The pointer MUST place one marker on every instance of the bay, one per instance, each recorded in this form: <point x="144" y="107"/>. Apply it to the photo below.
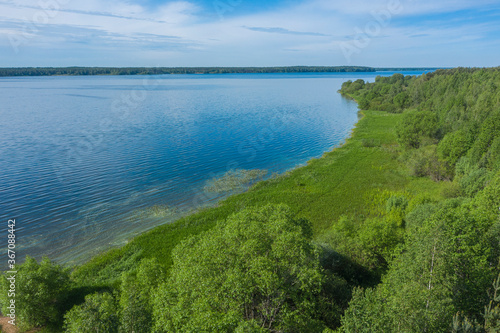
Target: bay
<point x="87" y="163"/>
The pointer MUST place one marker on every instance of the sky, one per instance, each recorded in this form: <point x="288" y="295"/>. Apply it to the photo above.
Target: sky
<point x="151" y="33"/>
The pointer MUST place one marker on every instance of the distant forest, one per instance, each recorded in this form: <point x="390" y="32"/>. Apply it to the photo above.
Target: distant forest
<point x="52" y="71"/>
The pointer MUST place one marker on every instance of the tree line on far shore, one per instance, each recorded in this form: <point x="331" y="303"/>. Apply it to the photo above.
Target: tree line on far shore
<point x="52" y="71"/>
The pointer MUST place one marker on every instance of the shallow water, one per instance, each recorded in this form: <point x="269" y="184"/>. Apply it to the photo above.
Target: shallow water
<point x="86" y="163"/>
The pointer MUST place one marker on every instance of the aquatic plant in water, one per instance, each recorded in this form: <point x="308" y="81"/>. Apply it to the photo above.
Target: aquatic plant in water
<point x="234" y="180"/>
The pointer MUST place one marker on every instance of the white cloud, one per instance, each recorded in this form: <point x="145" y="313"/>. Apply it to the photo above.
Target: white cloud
<point x="179" y="34"/>
<point x="408" y="7"/>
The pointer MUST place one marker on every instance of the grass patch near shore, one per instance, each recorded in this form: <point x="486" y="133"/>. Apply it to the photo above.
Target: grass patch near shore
<point x="327" y="188"/>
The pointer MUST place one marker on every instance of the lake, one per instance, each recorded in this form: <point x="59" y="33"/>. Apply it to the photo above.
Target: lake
<point x="86" y="163"/>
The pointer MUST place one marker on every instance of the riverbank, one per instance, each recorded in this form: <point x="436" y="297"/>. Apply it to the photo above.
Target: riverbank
<point x="341" y="182"/>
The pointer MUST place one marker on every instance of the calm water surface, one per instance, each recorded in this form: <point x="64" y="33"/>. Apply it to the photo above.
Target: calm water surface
<point x="86" y="163"/>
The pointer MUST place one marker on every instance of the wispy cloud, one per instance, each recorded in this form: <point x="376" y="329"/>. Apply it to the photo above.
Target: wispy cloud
<point x="190" y="33"/>
<point x="408" y="7"/>
<point x="419" y="35"/>
<point x="85" y="12"/>
<point x="284" y="31"/>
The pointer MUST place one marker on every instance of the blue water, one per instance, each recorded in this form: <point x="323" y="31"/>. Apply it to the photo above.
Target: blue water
<point x="86" y="163"/>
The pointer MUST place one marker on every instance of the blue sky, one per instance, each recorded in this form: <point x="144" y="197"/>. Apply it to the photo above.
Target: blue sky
<point x="381" y="33"/>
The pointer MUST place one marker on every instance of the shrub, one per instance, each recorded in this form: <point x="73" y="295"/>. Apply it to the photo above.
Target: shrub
<point x="424" y="162"/>
<point x="401" y="100"/>
<point x="451" y="190"/>
<point x="491" y="160"/>
<point x="257" y="266"/>
<point x="475" y="181"/>
<point x="97" y="314"/>
<point x="453" y="146"/>
<point x="40" y="289"/>
<point x="464" y="167"/>
<point x="414" y="126"/>
<point x="489" y="131"/>
<point x="391" y="108"/>
<point x="135" y="297"/>
<point x="370" y="143"/>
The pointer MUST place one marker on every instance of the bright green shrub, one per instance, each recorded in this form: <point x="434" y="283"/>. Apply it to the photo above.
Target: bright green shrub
<point x="380" y="236"/>
<point x="401" y="100"/>
<point x="444" y="267"/>
<point x="258" y="265"/>
<point x="488" y="200"/>
<point x="464" y="167"/>
<point x="136" y="293"/>
<point x="98" y="313"/>
<point x="39" y="292"/>
<point x="475" y="181"/>
<point x="491" y="159"/>
<point x="416" y="125"/>
<point x="366" y="313"/>
<point x="487" y="134"/>
<point x="453" y="146"/>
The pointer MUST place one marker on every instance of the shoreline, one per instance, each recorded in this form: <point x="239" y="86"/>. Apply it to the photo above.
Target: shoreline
<point x="322" y="190"/>
<point x="83" y="258"/>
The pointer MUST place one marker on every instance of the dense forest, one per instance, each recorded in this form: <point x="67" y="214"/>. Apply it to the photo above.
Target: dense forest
<point x="398" y="230"/>
<point x="50" y="71"/>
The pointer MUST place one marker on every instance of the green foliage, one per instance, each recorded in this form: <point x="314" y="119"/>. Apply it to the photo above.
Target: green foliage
<point x="366" y="313"/>
<point x="334" y="185"/>
<point x="349" y="87"/>
<point x="491" y="160"/>
<point x="451" y="190"/>
<point x="258" y="266"/>
<point x="453" y="146"/>
<point x="136" y="296"/>
<point x="416" y="125"/>
<point x="488" y="200"/>
<point x="250" y="326"/>
<point x="39" y="292"/>
<point x="397" y="204"/>
<point x="417" y="217"/>
<point x="380" y="236"/>
<point x="47" y="71"/>
<point x="424" y="162"/>
<point x="370" y="216"/>
<point x="462" y="324"/>
<point x="370" y="243"/>
<point x="490" y="130"/>
<point x="443" y="268"/>
<point x="475" y="181"/>
<point x="465" y="105"/>
<point x="492" y="310"/>
<point x="370" y="143"/>
<point x="402" y="100"/>
<point x="363" y="103"/>
<point x="108" y="267"/>
<point x="97" y="314"/>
